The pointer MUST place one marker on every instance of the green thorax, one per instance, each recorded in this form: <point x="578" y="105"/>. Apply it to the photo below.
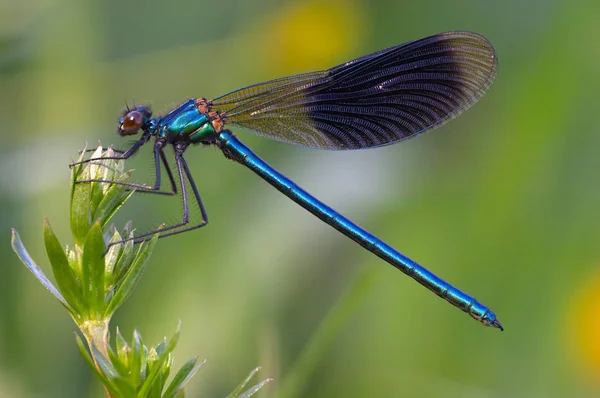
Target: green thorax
<point x="186" y="122"/>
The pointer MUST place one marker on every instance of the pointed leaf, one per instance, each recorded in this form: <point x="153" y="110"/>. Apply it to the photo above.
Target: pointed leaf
<point x="103" y="169"/>
<point x="95" y="166"/>
<point x="73" y="261"/>
<point x="114" y="198"/>
<point x="93" y="271"/>
<point x="161" y="348"/>
<point x="124" y="262"/>
<point x="113" y="357"/>
<point x="26" y="259"/>
<point x="123" y="349"/>
<point x="132" y="277"/>
<point x="128" y="228"/>
<point x="161" y="379"/>
<point x="137" y="357"/>
<point x="67" y="281"/>
<point x="153" y="357"/>
<point x="109" y="233"/>
<point x="175" y="338"/>
<point x="145" y="361"/>
<point x="111" y="168"/>
<point x="113" y="254"/>
<point x="166" y="371"/>
<point x="107" y="368"/>
<point x="88" y="359"/>
<point x="156" y="367"/>
<point x="254" y="389"/>
<point x="96" y="194"/>
<point x="183" y="376"/>
<point x="81" y="212"/>
<point x="238" y="390"/>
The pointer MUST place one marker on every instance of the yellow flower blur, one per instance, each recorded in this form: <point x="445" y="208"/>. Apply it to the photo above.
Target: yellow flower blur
<point x="313" y="35"/>
<point x="585" y="325"/>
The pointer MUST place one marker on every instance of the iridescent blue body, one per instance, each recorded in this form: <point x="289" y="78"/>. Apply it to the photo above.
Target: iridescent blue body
<point x="236" y="150"/>
<point x="185" y="122"/>
<point x="374" y="100"/>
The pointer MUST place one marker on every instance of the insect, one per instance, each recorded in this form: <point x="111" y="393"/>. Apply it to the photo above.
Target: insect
<point x="374" y="100"/>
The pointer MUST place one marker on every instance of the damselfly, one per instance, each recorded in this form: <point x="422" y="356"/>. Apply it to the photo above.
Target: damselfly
<point x="374" y="100"/>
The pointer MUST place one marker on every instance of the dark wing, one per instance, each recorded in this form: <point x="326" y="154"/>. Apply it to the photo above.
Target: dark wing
<point x="375" y="100"/>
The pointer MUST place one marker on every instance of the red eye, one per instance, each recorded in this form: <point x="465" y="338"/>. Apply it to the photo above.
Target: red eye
<point x="131" y="123"/>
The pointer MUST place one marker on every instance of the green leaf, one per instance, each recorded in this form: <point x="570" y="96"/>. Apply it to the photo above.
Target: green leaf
<point x="156" y="366"/>
<point x="175" y="338"/>
<point x="88" y="359"/>
<point x="135" y="365"/>
<point x="123" y="349"/>
<point x="161" y="348"/>
<point x="92" y="268"/>
<point x="97" y="192"/>
<point x="125" y="386"/>
<point x="81" y="217"/>
<point x="113" y="254"/>
<point x="238" y="390"/>
<point x="139" y="358"/>
<point x="132" y="276"/>
<point x="95" y="166"/>
<point x="165" y="371"/>
<point x="71" y="254"/>
<point x="114" y="198"/>
<point x="124" y="262"/>
<point x="183" y="376"/>
<point x="107" y="368"/>
<point x="254" y="389"/>
<point x="26" y="259"/>
<point x="127" y="228"/>
<point x="161" y="379"/>
<point x="113" y="357"/>
<point x="67" y="280"/>
<point x="112" y="170"/>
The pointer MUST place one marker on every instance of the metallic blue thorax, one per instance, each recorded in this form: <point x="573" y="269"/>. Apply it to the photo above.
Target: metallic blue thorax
<point x="186" y="123"/>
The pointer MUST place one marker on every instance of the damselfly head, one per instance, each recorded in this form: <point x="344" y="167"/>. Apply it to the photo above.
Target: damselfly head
<point x="132" y="120"/>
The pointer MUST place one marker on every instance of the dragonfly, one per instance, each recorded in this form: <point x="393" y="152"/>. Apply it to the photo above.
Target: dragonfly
<point x="375" y="100"/>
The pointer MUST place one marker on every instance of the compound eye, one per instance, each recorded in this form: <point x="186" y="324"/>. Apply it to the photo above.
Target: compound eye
<point x="131" y="123"/>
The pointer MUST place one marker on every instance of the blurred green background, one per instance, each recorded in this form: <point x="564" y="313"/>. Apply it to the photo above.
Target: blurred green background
<point x="502" y="202"/>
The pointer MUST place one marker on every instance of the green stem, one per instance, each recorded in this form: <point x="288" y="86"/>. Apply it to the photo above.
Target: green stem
<point x="96" y="333"/>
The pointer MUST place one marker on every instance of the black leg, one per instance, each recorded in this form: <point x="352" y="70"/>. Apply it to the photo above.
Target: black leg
<point x="120" y="151"/>
<point x="183" y="172"/>
<point x="203" y="213"/>
<point x="155" y="189"/>
<point x="125" y="155"/>
<point x="165" y="162"/>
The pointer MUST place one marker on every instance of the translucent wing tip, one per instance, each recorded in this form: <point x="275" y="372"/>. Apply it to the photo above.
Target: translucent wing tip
<point x="479" y="48"/>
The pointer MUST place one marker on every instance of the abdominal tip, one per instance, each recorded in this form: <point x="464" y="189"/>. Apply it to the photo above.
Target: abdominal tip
<point x="496" y="323"/>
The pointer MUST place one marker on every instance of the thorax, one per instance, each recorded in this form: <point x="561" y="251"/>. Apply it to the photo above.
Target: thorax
<point x="187" y="123"/>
